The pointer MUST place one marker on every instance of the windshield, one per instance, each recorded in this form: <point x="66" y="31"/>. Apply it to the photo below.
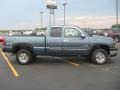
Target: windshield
<point x="90" y="32"/>
<point x="83" y="30"/>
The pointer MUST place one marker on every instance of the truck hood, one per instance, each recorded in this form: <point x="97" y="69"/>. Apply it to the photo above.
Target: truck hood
<point x="101" y="37"/>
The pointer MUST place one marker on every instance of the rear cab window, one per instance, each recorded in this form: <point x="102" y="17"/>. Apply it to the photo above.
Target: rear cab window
<point x="56" y="32"/>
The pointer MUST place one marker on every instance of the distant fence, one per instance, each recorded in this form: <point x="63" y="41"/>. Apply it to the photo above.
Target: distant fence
<point x="4" y="33"/>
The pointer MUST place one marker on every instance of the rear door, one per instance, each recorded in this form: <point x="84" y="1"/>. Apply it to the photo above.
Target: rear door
<point x="54" y="41"/>
<point x="73" y="43"/>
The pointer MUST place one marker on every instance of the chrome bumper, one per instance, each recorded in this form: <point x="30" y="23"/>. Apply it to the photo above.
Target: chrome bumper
<point x="113" y="52"/>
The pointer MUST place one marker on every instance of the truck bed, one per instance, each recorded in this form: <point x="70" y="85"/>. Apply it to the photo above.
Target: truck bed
<point x="37" y="42"/>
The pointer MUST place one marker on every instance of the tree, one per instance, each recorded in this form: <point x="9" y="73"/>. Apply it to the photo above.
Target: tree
<point x="116" y="26"/>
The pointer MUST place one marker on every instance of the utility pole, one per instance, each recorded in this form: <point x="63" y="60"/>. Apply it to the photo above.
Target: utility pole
<point x="41" y="19"/>
<point x="64" y="5"/>
<point x="117" y="12"/>
<point x="49" y="17"/>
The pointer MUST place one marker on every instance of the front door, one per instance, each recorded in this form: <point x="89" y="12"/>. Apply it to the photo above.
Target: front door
<point x="73" y="43"/>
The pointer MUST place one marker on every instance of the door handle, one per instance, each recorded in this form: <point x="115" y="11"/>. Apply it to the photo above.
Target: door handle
<point x="66" y="40"/>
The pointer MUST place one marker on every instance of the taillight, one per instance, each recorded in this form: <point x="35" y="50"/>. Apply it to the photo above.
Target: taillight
<point x="2" y="40"/>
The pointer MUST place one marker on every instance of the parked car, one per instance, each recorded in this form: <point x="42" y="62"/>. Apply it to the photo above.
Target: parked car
<point x="91" y="32"/>
<point x="114" y="33"/>
<point x="2" y="42"/>
<point x="60" y="41"/>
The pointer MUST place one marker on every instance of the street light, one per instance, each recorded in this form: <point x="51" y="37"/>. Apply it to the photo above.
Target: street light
<point x="64" y="5"/>
<point x="117" y="12"/>
<point x="41" y="18"/>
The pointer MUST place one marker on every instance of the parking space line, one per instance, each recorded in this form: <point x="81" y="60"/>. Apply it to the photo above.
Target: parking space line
<point x="15" y="73"/>
<point x="75" y="64"/>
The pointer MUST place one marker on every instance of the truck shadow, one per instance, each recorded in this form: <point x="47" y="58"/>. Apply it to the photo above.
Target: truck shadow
<point x="60" y="60"/>
<point x="49" y="60"/>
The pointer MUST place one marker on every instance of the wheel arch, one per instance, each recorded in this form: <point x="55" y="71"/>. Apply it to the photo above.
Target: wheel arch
<point x="105" y="47"/>
<point x="17" y="46"/>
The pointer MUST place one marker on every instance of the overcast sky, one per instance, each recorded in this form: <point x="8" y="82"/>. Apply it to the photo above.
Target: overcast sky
<point x="25" y="14"/>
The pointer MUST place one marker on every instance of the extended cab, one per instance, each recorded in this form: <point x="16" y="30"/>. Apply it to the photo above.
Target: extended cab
<point x="60" y="41"/>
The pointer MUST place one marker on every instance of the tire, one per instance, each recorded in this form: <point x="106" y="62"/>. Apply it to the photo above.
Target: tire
<point x="24" y="57"/>
<point x="100" y="56"/>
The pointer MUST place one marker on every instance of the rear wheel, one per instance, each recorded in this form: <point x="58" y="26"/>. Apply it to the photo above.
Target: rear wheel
<point x="99" y="56"/>
<point x="24" y="57"/>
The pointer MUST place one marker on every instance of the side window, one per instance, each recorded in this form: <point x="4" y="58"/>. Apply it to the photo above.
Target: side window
<point x="56" y="32"/>
<point x="72" y="33"/>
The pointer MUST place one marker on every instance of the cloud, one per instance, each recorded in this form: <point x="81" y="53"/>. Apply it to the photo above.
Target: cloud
<point x="81" y="21"/>
<point x="90" y="21"/>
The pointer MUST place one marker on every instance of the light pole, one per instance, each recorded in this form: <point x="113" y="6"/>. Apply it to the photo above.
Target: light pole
<point x="54" y="16"/>
<point x="41" y="19"/>
<point x="64" y="5"/>
<point x="117" y="12"/>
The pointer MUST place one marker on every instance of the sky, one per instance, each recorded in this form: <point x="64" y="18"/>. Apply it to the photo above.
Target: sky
<point x="25" y="14"/>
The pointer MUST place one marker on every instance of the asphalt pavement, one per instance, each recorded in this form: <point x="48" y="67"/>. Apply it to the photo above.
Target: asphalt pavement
<point x="53" y="73"/>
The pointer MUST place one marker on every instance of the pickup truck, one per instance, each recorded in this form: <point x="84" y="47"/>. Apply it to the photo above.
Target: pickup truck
<point x="60" y="41"/>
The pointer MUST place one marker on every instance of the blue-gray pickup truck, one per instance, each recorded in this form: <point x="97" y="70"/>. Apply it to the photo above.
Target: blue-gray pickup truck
<point x="60" y="41"/>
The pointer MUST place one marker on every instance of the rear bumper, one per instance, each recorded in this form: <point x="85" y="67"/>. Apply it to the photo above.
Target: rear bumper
<point x="7" y="49"/>
<point x="113" y="52"/>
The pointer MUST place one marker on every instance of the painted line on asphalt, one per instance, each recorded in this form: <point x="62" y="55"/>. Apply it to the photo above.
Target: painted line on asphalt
<point x="15" y="73"/>
<point x="72" y="63"/>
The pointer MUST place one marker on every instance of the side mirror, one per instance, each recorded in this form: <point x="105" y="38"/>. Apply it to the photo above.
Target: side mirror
<point x="83" y="36"/>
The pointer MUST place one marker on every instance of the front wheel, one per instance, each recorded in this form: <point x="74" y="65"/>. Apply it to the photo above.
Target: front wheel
<point x="24" y="57"/>
<point x="99" y="56"/>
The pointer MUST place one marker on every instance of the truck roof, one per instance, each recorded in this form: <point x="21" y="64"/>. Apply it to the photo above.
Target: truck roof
<point x="65" y="26"/>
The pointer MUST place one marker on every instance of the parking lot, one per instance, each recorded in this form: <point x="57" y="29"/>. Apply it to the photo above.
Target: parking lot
<point x="53" y="73"/>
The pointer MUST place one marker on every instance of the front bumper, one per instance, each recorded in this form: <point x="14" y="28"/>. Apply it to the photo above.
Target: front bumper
<point x="113" y="52"/>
